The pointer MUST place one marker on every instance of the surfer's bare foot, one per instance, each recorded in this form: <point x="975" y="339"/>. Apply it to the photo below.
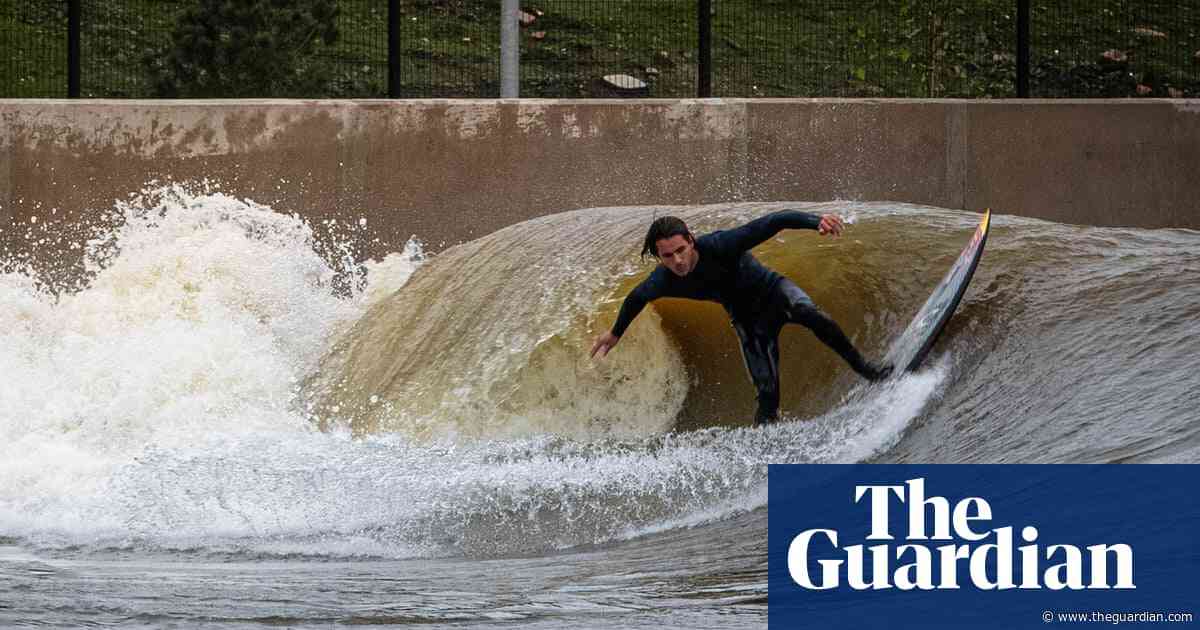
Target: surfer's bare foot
<point x="876" y="373"/>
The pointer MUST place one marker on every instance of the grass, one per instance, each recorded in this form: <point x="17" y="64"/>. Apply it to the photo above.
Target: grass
<point x="886" y="48"/>
<point x="33" y="49"/>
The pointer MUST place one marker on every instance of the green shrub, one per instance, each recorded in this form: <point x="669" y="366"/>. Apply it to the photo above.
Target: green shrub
<point x="246" y="48"/>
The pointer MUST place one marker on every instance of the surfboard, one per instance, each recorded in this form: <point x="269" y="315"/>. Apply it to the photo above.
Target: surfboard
<point x="914" y="344"/>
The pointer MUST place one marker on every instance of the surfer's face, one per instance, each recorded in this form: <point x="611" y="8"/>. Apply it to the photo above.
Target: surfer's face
<point x="678" y="253"/>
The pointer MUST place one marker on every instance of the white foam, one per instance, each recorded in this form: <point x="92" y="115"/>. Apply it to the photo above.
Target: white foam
<point x="201" y="314"/>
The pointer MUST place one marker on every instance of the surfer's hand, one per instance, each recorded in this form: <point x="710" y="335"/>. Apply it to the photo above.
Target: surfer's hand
<point x="604" y="343"/>
<point x="831" y="224"/>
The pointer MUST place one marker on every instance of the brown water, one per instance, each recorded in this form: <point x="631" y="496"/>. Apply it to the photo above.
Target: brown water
<point x="213" y="431"/>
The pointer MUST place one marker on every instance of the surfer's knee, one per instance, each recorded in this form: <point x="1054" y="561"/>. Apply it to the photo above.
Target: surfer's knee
<point x="809" y="315"/>
<point x="792" y="295"/>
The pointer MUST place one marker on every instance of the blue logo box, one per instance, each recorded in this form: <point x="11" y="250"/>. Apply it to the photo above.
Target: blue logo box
<point x="983" y="546"/>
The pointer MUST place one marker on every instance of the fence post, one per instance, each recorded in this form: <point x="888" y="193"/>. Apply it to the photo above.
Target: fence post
<point x="393" y="88"/>
<point x="73" y="21"/>
<point x="704" y="81"/>
<point x="510" y="50"/>
<point x="1022" y="48"/>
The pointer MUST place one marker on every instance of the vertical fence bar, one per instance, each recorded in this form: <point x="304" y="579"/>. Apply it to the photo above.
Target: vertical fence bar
<point x="510" y="50"/>
<point x="74" y="10"/>
<point x="1022" y="48"/>
<point x="393" y="38"/>
<point x="704" y="81"/>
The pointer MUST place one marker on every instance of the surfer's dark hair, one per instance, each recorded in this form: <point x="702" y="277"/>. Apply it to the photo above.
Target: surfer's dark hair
<point x="664" y="227"/>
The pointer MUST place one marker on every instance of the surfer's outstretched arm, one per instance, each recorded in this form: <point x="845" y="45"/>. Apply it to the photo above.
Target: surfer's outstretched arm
<point x="638" y="298"/>
<point x="755" y="232"/>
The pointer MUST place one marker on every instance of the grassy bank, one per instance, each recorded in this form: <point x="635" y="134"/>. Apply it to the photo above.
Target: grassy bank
<point x="760" y="47"/>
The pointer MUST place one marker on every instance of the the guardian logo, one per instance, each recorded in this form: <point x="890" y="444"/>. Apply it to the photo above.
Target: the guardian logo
<point x="963" y="527"/>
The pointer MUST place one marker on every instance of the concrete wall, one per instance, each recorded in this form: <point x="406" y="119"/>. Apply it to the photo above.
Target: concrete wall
<point x="452" y="170"/>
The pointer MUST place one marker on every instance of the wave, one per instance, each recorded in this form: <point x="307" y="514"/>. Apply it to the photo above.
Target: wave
<point x="219" y="380"/>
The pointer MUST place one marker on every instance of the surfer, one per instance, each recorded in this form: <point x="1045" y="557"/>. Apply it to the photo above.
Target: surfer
<point x="719" y="267"/>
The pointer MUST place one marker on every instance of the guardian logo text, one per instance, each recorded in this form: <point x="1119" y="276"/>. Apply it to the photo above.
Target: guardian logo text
<point x="947" y="545"/>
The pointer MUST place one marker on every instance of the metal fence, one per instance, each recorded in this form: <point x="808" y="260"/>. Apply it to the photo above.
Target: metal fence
<point x="660" y="48"/>
<point x="1143" y="47"/>
<point x="33" y="49"/>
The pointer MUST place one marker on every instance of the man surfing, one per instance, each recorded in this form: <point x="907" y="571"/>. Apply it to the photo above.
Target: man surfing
<point x="720" y="268"/>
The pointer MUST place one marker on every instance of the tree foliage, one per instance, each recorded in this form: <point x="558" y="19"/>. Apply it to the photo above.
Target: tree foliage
<point x="247" y="48"/>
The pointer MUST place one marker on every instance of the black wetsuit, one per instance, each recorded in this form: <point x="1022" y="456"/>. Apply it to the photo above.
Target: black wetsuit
<point x="759" y="301"/>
